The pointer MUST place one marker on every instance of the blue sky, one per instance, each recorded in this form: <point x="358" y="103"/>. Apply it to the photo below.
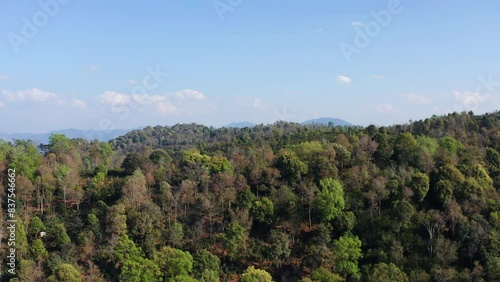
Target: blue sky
<point x="124" y="64"/>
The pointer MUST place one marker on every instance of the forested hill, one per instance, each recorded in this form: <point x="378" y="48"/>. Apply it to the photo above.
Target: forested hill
<point x="284" y="202"/>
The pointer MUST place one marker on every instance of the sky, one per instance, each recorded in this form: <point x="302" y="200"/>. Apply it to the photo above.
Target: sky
<point x="126" y="64"/>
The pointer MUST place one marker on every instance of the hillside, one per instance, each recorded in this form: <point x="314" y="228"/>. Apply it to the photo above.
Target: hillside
<point x="410" y="202"/>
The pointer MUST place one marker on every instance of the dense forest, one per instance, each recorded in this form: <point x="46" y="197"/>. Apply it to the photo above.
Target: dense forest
<point x="282" y="202"/>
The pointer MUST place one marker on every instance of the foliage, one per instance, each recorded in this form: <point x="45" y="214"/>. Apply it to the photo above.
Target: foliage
<point x="173" y="262"/>
<point x="411" y="202"/>
<point x="383" y="272"/>
<point x="206" y="266"/>
<point x="330" y="199"/>
<point x="255" y="275"/>
<point x="263" y="210"/>
<point x="67" y="273"/>
<point x="347" y="250"/>
<point x="323" y="275"/>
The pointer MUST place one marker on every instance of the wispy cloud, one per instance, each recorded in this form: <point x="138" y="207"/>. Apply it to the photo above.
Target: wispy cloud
<point x="414" y="98"/>
<point x="189" y="94"/>
<point x="187" y="101"/>
<point x="160" y="103"/>
<point x="94" y="68"/>
<point x="376" y="76"/>
<point x="4" y="77"/>
<point x="115" y="98"/>
<point x="386" y="108"/>
<point x="133" y="82"/>
<point x="257" y="103"/>
<point x="357" y="23"/>
<point x="343" y="79"/>
<point x="35" y="95"/>
<point x="249" y="102"/>
<point x="470" y="100"/>
<point x="77" y="103"/>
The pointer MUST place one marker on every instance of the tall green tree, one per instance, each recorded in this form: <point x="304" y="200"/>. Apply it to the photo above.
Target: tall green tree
<point x="330" y="199"/>
<point x="347" y="252"/>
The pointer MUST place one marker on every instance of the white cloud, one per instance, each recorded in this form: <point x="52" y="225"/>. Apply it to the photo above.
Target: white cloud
<point x="4" y="77"/>
<point x="376" y="76"/>
<point x="386" y="108"/>
<point x="77" y="103"/>
<point x="319" y="30"/>
<point x="165" y="108"/>
<point x="2" y="104"/>
<point x="257" y="103"/>
<point x="189" y="94"/>
<point x="34" y="94"/>
<point x="250" y="103"/>
<point x="188" y="101"/>
<point x="343" y="79"/>
<point x="94" y="68"/>
<point x="470" y="100"/>
<point x="114" y="98"/>
<point x="414" y="98"/>
<point x="132" y="81"/>
<point x="357" y="23"/>
<point x="118" y="99"/>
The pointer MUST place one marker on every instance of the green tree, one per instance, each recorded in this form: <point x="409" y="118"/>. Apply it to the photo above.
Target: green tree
<point x="252" y="274"/>
<point x="25" y="159"/>
<point x="116" y="221"/>
<point x="234" y="240"/>
<point x="139" y="269"/>
<point x="342" y="155"/>
<point x="290" y="166"/>
<point x="159" y="157"/>
<point x="174" y="234"/>
<point x="132" y="264"/>
<point x="383" y="272"/>
<point x="38" y="250"/>
<point x="406" y="148"/>
<point x="206" y="266"/>
<point x="347" y="251"/>
<point x="279" y="247"/>
<point x="322" y="274"/>
<point x="131" y="163"/>
<point x="66" y="273"/>
<point x="220" y="164"/>
<point x="59" y="143"/>
<point x="35" y="226"/>
<point x="420" y="186"/>
<point x="173" y="262"/>
<point x="330" y="199"/>
<point x="452" y="145"/>
<point x="263" y="210"/>
<point x="493" y="160"/>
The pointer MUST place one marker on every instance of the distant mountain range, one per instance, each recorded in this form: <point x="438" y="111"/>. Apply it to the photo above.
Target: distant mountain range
<point x="317" y="121"/>
<point x="326" y="121"/>
<point x="43" y="138"/>
<point x="241" y="124"/>
<point x="106" y="135"/>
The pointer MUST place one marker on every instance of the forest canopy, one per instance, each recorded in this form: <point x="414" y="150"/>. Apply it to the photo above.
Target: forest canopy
<point x="283" y="202"/>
